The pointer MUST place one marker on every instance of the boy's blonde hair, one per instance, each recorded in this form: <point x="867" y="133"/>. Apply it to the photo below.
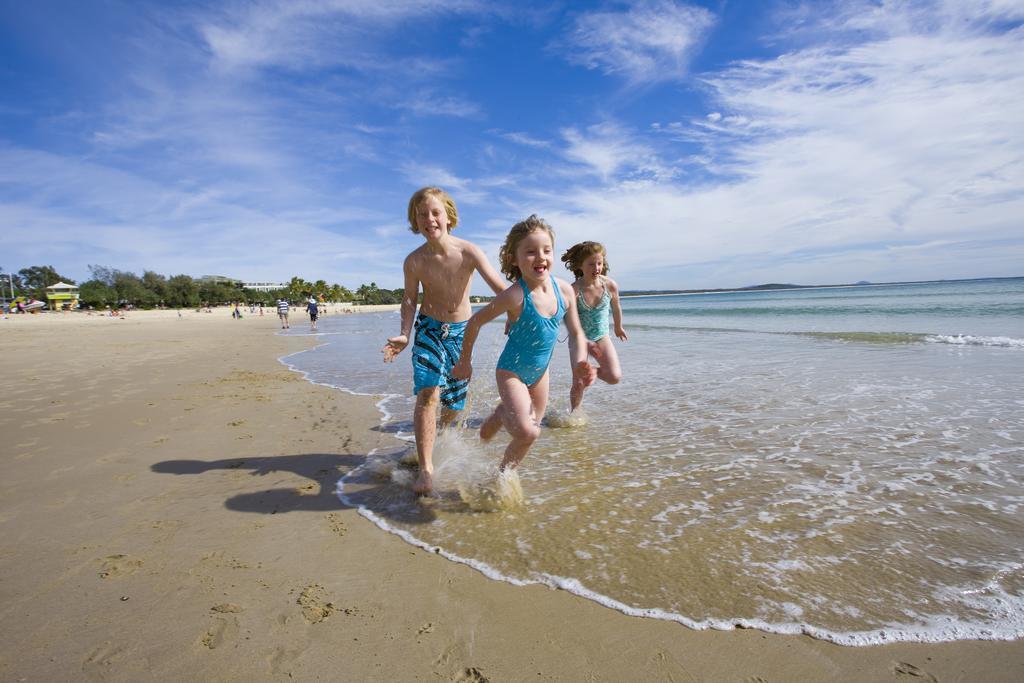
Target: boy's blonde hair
<point x="574" y="257"/>
<point x="446" y="200"/>
<point x="507" y="255"/>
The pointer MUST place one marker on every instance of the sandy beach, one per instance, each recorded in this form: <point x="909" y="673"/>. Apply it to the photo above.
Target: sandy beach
<point x="168" y="512"/>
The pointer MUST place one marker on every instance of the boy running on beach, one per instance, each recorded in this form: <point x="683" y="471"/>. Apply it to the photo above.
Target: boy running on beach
<point x="444" y="265"/>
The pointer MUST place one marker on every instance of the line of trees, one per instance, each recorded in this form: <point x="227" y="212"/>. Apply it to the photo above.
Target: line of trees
<point x="115" y="288"/>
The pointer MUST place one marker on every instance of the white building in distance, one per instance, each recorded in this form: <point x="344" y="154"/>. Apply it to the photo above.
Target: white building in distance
<point x="264" y="286"/>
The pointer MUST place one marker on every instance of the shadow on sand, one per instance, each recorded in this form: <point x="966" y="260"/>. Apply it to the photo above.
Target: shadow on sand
<point x="364" y="488"/>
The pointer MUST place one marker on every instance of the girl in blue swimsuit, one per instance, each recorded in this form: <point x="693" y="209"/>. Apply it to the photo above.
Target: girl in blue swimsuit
<point x="535" y="305"/>
<point x="597" y="295"/>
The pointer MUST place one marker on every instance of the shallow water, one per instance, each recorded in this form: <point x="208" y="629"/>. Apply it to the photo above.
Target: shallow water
<point x="841" y="462"/>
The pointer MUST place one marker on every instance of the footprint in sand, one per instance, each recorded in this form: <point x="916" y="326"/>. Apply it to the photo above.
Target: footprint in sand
<point x="116" y="566"/>
<point x="314" y="609"/>
<point x="337" y="526"/>
<point x="282" y="658"/>
<point x="97" y="665"/>
<point x="908" y="672"/>
<point x="471" y="675"/>
<point x="226" y="608"/>
<point x="222" y="631"/>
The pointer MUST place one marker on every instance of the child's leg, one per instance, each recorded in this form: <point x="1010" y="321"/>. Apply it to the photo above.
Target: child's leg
<point x="449" y="417"/>
<point x="424" y="420"/>
<point x="610" y="371"/>
<point x="539" y="397"/>
<point x="492" y="424"/>
<point x="518" y="416"/>
<point x="577" y="388"/>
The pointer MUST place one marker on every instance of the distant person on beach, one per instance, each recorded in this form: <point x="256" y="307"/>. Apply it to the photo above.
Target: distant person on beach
<point x="444" y="266"/>
<point x="535" y="305"/>
<point x="314" y="312"/>
<point x="282" y="312"/>
<point x="596" y="296"/>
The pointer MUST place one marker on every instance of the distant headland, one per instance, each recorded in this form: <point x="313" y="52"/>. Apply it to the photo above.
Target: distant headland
<point x="785" y="286"/>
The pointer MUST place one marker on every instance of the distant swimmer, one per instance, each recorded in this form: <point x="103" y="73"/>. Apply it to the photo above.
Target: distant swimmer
<point x="444" y="266"/>
<point x="596" y="296"/>
<point x="535" y="304"/>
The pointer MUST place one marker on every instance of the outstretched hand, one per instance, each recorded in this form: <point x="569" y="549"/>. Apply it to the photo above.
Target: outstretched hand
<point x="394" y="347"/>
<point x="620" y="332"/>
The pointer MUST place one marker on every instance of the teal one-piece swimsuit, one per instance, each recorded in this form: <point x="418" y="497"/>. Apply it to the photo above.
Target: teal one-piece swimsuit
<point x="594" y="319"/>
<point x="531" y="341"/>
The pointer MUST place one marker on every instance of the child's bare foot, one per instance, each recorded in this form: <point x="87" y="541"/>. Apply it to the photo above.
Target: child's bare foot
<point x="424" y="483"/>
<point x="594" y="350"/>
<point x="491" y="425"/>
<point x="584" y="372"/>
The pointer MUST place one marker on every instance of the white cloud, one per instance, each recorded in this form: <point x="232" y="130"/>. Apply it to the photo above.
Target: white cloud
<point x="650" y="41"/>
<point x="610" y="151"/>
<point x="312" y="33"/>
<point x="428" y="102"/>
<point x="90" y="214"/>
<point x="826" y="159"/>
<point x="526" y="140"/>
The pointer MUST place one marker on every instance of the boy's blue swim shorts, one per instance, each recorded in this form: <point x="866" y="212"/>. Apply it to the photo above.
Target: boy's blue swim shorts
<point x="435" y="351"/>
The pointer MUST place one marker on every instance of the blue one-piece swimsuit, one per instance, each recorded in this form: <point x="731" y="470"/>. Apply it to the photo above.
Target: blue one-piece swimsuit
<point x="531" y="341"/>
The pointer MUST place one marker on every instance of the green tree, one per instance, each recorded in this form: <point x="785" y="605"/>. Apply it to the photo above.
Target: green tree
<point x="222" y="293"/>
<point x="132" y="290"/>
<point x="35" y="280"/>
<point x="96" y="294"/>
<point x="155" y="283"/>
<point x="182" y="292"/>
<point x="104" y="274"/>
<point x="296" y="287"/>
<point x="339" y="293"/>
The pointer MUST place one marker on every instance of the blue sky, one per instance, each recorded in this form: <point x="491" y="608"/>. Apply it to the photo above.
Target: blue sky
<point x="707" y="144"/>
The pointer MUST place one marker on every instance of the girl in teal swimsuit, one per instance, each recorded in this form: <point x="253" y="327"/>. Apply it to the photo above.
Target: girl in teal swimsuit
<point x="535" y="305"/>
<point x="596" y="296"/>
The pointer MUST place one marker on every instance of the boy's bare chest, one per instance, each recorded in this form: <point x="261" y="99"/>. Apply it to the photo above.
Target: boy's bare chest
<point x="447" y="263"/>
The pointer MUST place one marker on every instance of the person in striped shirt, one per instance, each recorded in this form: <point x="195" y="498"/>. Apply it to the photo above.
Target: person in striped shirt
<point x="282" y="312"/>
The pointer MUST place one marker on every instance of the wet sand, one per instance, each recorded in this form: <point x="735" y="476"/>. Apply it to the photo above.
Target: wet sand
<point x="167" y="511"/>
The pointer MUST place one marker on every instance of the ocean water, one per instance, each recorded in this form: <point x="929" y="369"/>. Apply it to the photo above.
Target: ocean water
<point x="842" y="462"/>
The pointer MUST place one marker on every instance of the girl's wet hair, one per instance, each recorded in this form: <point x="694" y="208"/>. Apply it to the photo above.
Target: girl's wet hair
<point x="446" y="201"/>
<point x="574" y="257"/>
<point x="507" y="255"/>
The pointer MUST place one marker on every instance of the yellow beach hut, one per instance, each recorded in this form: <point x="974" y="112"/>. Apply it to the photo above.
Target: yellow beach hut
<point x="62" y="295"/>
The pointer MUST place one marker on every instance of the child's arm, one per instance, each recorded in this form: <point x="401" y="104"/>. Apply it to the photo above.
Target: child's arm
<point x="487" y="271"/>
<point x="613" y="288"/>
<point x="503" y="303"/>
<point x="582" y="370"/>
<point x="394" y="345"/>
